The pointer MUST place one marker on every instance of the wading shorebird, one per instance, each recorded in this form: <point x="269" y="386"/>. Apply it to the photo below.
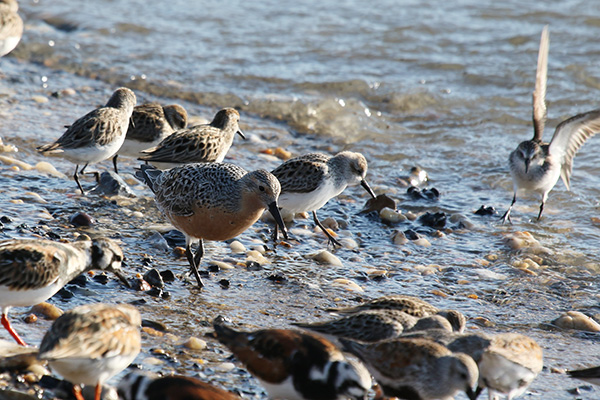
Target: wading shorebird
<point x="212" y="201"/>
<point x="296" y="365"/>
<point x="90" y="344"/>
<point x="97" y="136"/>
<point x="308" y="182"/>
<point x="11" y="26"/>
<point x="536" y="166"/>
<point x="200" y="143"/>
<point x="150" y="124"/>
<point x="33" y="270"/>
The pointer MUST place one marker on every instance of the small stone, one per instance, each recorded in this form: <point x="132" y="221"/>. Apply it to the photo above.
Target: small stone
<point x="47" y="310"/>
<point x="140" y="285"/>
<point x="81" y="219"/>
<point x="167" y="275"/>
<point x="194" y="343"/>
<point x="400" y="238"/>
<point x="47" y="168"/>
<point x="179" y="251"/>
<point x="434" y="220"/>
<point x="13" y="161"/>
<point x="30" y="319"/>
<point x="111" y="184"/>
<point x="391" y="216"/>
<point x="282" y="154"/>
<point x="159" y="326"/>
<point x="422" y="242"/>
<point x="377" y="204"/>
<point x="253" y="266"/>
<point x="577" y="320"/>
<point x="237" y="247"/>
<point x="325" y="257"/>
<point x="157" y="241"/>
<point x="39" y="99"/>
<point x="254" y="255"/>
<point x="225" y="283"/>
<point x="225" y="367"/>
<point x="330" y="224"/>
<point x="486" y="210"/>
<point x="347" y="284"/>
<point x="221" y="265"/>
<point x="154" y="278"/>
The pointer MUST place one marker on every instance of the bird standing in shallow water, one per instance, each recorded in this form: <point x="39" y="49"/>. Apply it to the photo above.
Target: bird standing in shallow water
<point x="149" y="125"/>
<point x="89" y="344"/>
<point x="200" y="143"/>
<point x="98" y="135"/>
<point x="311" y="180"/>
<point x="212" y="201"/>
<point x="11" y="26"/>
<point x="296" y="365"/>
<point x="536" y="166"/>
<point x="33" y="270"/>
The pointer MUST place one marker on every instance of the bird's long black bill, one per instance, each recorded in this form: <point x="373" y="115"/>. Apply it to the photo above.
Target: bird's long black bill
<point x="239" y="132"/>
<point x="274" y="210"/>
<point x="365" y="185"/>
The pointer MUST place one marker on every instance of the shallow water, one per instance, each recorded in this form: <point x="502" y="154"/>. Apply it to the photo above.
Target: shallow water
<point x="439" y="85"/>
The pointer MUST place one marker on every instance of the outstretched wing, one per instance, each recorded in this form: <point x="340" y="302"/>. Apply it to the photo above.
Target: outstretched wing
<point x="539" y="93"/>
<point x="569" y="136"/>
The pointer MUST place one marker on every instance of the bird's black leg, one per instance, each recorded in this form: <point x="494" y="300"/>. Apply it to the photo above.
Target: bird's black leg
<point x="506" y="216"/>
<point x="192" y="260"/>
<point x="76" y="177"/>
<point x="115" y="164"/>
<point x="332" y="240"/>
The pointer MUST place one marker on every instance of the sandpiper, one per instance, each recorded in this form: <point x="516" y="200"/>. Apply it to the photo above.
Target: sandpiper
<point x="416" y="368"/>
<point x="212" y="201"/>
<point x="295" y="365"/>
<point x="150" y="124"/>
<point x="33" y="270"/>
<point x="98" y="135"/>
<point x="375" y="325"/>
<point x="311" y="180"/>
<point x="11" y="26"/>
<point x="408" y="304"/>
<point x="536" y="166"/>
<point x="508" y="362"/>
<point x="89" y="344"/>
<point x="200" y="143"/>
<point x="136" y="386"/>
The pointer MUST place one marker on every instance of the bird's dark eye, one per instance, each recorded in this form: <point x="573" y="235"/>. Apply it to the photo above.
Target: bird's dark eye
<point x="261" y="188"/>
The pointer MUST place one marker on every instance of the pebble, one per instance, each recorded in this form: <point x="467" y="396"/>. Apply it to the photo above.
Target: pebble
<point x="433" y="220"/>
<point x="194" y="343"/>
<point x="15" y="162"/>
<point x="154" y="278"/>
<point x="237" y="247"/>
<point x="349" y="243"/>
<point x="486" y="210"/>
<point x="47" y="310"/>
<point x="378" y="203"/>
<point x="158" y="242"/>
<point x="347" y="284"/>
<point x="331" y="224"/>
<point x="225" y="367"/>
<point x="30" y="319"/>
<point x="391" y="216"/>
<point x="325" y="257"/>
<point x="39" y="99"/>
<point x="46" y="168"/>
<point x="111" y="184"/>
<point x="7" y="148"/>
<point x="81" y="219"/>
<point x="578" y="321"/>
<point x="254" y="255"/>
<point x="524" y="240"/>
<point x="399" y="238"/>
<point x="222" y="265"/>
